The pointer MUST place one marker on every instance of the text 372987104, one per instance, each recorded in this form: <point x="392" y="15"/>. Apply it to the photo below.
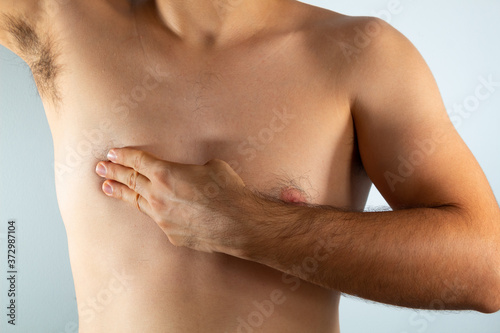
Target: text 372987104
<point x="11" y="272"/>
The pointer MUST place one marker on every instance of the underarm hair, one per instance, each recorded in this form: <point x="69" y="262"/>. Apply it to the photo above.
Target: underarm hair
<point x="39" y="54"/>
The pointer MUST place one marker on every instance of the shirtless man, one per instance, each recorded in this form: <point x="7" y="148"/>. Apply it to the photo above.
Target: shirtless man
<point x="291" y="97"/>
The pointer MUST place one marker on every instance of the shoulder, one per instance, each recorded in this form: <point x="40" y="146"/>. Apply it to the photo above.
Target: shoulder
<point x="357" y="38"/>
<point x="349" y="40"/>
<point x="367" y="51"/>
<point x="368" y="41"/>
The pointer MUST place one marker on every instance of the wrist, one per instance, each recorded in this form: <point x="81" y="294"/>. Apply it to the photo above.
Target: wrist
<point x="265" y="227"/>
<point x="247" y="214"/>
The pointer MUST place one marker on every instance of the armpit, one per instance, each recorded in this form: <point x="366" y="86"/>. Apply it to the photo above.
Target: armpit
<point x="38" y="52"/>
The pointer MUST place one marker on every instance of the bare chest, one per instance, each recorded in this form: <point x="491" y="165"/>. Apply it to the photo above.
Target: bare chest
<point x="272" y="113"/>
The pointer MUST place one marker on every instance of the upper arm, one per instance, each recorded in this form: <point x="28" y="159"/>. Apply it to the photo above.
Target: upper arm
<point x="408" y="145"/>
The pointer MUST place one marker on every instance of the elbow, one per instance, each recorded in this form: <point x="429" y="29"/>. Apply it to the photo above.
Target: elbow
<point x="488" y="285"/>
<point x="490" y="303"/>
<point x="490" y="309"/>
<point x="481" y="293"/>
<point x="484" y="297"/>
<point x="478" y="278"/>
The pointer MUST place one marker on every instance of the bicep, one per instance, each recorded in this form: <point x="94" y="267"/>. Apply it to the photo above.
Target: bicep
<point x="408" y="145"/>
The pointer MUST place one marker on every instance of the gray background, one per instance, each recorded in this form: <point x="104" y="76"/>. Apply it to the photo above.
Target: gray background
<point x="460" y="42"/>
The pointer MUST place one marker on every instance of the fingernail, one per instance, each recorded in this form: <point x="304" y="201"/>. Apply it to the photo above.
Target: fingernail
<point x="107" y="188"/>
<point x="100" y="169"/>
<point x="112" y="155"/>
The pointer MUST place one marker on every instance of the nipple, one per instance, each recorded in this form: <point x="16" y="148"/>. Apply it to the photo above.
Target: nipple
<point x="292" y="195"/>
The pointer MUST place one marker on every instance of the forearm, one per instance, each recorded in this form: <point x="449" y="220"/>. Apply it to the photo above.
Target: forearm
<point x="441" y="257"/>
<point x="422" y="257"/>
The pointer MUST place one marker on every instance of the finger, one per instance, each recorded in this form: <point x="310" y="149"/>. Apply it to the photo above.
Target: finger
<point x="138" y="160"/>
<point x="127" y="176"/>
<point x="122" y="192"/>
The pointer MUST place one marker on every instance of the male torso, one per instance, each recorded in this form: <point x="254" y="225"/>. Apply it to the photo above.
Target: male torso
<point x="275" y="106"/>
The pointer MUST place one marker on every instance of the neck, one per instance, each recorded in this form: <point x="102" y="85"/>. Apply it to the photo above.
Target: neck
<point x="209" y="22"/>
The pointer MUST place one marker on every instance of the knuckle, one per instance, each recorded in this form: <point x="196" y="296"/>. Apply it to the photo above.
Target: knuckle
<point x="214" y="162"/>
<point x="162" y="174"/>
<point x="132" y="180"/>
<point x="218" y="166"/>
<point x="138" y="161"/>
<point x="138" y="188"/>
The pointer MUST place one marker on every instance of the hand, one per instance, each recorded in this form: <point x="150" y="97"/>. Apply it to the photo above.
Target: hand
<point x="195" y="205"/>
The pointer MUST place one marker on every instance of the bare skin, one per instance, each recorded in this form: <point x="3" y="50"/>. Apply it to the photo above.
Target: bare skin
<point x="264" y="86"/>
